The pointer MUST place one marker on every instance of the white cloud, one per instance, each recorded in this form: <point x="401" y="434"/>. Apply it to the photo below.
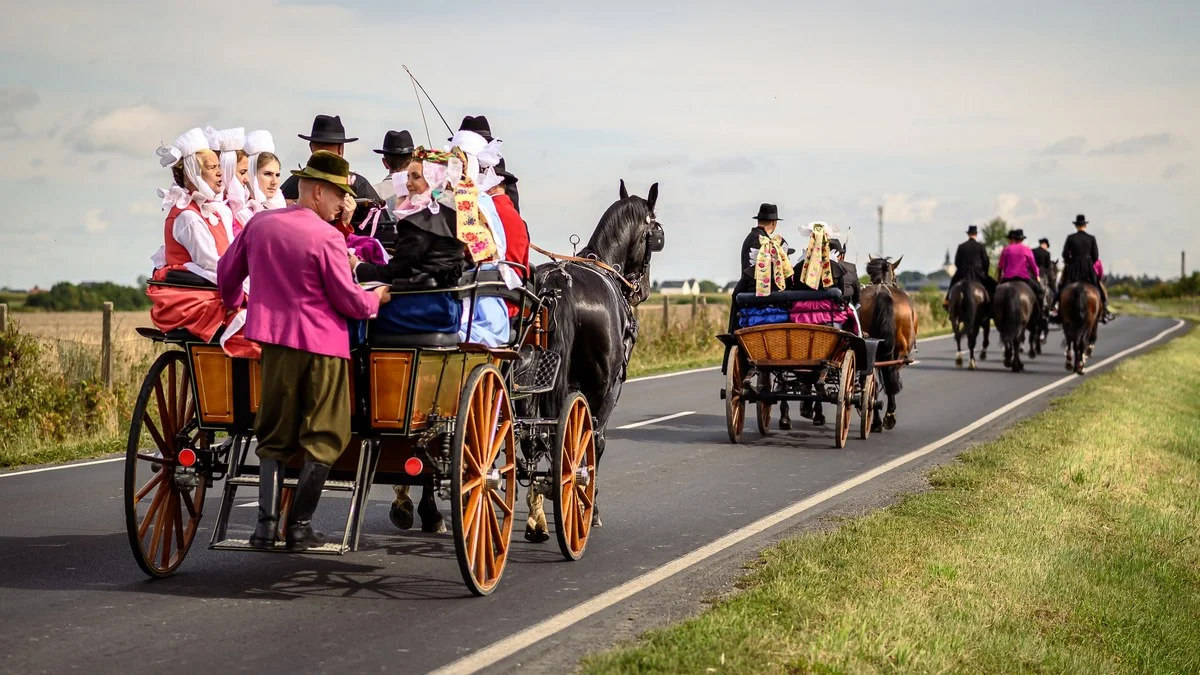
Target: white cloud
<point x="135" y="131"/>
<point x="144" y="208"/>
<point x="908" y="208"/>
<point x="93" y="222"/>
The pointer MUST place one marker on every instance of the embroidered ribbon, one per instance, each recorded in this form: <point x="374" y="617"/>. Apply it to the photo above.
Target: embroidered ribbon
<point x="772" y="265"/>
<point x="816" y="273"/>
<point x="472" y="227"/>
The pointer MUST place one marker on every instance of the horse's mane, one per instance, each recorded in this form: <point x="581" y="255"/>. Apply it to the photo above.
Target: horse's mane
<point x="609" y="236"/>
<point x="877" y="269"/>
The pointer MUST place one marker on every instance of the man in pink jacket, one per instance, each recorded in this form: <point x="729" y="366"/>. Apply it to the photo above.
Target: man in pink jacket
<point x="1017" y="262"/>
<point x="302" y="297"/>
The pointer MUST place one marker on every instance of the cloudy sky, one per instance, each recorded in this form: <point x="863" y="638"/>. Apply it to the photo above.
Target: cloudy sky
<point x="944" y="112"/>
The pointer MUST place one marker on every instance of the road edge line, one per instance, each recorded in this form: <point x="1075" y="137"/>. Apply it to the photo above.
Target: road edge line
<point x="508" y="646"/>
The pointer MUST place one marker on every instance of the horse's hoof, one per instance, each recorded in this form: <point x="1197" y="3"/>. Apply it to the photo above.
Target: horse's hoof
<point x="785" y="425"/>
<point x="819" y="421"/>
<point x="596" y="522"/>
<point x="972" y="365"/>
<point x="1088" y="352"/>
<point x="806" y="413"/>
<point x="958" y="360"/>
<point x="1069" y="367"/>
<point x="434" y="525"/>
<point x="536" y="535"/>
<point x="889" y="421"/>
<point x="983" y="356"/>
<point x="401" y="514"/>
<point x="1008" y="363"/>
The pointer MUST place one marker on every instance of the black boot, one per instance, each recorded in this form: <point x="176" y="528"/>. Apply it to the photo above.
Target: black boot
<point x="818" y="416"/>
<point x="300" y="534"/>
<point x="270" y="478"/>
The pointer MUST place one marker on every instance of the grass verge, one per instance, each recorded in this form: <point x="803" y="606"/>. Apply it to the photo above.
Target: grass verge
<point x="1067" y="545"/>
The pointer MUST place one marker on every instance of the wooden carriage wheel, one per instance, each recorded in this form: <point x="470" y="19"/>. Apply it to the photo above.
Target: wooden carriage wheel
<point x="162" y="514"/>
<point x="845" y="401"/>
<point x="762" y="410"/>
<point x="866" y="408"/>
<point x="573" y="466"/>
<point x="483" y="481"/>
<point x="735" y="406"/>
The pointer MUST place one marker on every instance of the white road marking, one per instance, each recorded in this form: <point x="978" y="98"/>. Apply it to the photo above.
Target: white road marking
<point x="246" y="505"/>
<point x="62" y="466"/>
<point x="674" y="374"/>
<point x="524" y="639"/>
<point x="664" y="418"/>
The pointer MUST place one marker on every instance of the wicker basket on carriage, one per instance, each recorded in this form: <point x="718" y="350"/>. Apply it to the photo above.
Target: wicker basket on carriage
<point x="792" y="344"/>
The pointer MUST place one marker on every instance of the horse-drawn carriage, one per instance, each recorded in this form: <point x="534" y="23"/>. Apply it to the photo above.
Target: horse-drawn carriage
<point x="426" y="411"/>
<point x="779" y="362"/>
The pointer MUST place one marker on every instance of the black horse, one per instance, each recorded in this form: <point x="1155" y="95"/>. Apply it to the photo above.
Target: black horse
<point x="969" y="311"/>
<point x="593" y="321"/>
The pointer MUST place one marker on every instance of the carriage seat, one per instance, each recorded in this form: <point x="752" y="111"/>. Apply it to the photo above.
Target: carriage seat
<point x="186" y="278"/>
<point x="380" y="339"/>
<point x="491" y="284"/>
<point x="176" y="335"/>
<point x="788" y="297"/>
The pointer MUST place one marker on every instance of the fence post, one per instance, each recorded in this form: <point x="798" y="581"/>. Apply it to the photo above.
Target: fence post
<point x="695" y="308"/>
<point x="106" y="347"/>
<point x="666" y="311"/>
<point x="3" y="316"/>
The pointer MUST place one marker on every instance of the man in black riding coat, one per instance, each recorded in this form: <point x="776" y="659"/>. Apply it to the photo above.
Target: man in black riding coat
<point x="1041" y="255"/>
<point x="971" y="262"/>
<point x="767" y="218"/>
<point x="1079" y="256"/>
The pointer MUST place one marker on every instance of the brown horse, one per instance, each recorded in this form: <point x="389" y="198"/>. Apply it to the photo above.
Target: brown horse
<point x="970" y="310"/>
<point x="888" y="314"/>
<point x="1079" y="307"/>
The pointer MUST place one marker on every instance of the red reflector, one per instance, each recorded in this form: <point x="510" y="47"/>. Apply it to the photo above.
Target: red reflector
<point x="413" y="466"/>
<point x="187" y="457"/>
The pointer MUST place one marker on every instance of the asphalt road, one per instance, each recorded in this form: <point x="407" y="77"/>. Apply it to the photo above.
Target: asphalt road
<point x="71" y="596"/>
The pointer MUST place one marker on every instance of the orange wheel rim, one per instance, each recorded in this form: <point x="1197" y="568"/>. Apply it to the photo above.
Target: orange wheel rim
<point x="577" y="479"/>
<point x="488" y="489"/>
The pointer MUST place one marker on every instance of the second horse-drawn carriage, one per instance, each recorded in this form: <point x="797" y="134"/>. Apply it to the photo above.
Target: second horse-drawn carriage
<point x="774" y="363"/>
<point x="427" y="410"/>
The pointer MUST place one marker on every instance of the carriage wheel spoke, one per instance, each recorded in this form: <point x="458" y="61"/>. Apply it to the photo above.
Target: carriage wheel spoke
<point x="168" y="526"/>
<point x="480" y="541"/>
<point x="160" y="519"/>
<point x="495" y="534"/>
<point x="501" y="438"/>
<point x="147" y="487"/>
<point x="508" y="468"/>
<point x="164" y="412"/>
<point x="191" y="505"/>
<point x="152" y="512"/>
<point x="158" y="437"/>
<point x="152" y="459"/>
<point x="582" y="494"/>
<point x="567" y="513"/>
<point x="470" y="485"/>
<point x="498" y="501"/>
<point x="173" y="397"/>
<point x="185" y="395"/>
<point x="469" y="513"/>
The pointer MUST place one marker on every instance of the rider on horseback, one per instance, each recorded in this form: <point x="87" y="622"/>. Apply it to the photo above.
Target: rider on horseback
<point x="971" y="262"/>
<point x="1080" y="254"/>
<point x="1017" y="262"/>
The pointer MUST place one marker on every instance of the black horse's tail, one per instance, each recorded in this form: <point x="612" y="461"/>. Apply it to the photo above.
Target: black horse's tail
<point x="883" y="327"/>
<point x="963" y="308"/>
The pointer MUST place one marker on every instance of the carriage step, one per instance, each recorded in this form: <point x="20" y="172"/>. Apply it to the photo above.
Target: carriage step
<point x="335" y="485"/>
<point x="535" y="372"/>
<point x="328" y="548"/>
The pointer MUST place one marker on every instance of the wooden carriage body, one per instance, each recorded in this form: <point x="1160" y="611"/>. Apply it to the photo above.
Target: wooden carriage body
<point x="426" y="411"/>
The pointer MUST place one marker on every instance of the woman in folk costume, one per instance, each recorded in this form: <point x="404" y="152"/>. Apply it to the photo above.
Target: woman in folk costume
<point x="197" y="232"/>
<point x="264" y="174"/>
<point x="765" y="267"/>
<point x="816" y="273"/>
<point x="229" y="144"/>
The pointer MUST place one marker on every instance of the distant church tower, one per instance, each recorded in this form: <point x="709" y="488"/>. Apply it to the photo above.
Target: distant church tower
<point x="947" y="266"/>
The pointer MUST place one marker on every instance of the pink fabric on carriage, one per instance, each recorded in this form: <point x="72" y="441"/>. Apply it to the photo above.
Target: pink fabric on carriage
<point x="820" y="312"/>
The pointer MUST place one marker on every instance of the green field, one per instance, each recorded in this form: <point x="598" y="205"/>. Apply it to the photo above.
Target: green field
<point x="1070" y="544"/>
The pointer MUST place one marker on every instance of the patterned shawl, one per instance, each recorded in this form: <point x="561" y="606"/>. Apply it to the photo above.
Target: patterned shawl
<point x="816" y="273"/>
<point x="771" y="266"/>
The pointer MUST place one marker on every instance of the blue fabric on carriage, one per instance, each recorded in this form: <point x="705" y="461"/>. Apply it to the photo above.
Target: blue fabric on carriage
<point x="488" y="321"/>
<point x="758" y="316"/>
<point x="420" y="315"/>
<point x="787" y="298"/>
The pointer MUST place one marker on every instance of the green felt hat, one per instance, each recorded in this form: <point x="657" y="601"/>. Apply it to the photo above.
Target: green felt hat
<point x="329" y="167"/>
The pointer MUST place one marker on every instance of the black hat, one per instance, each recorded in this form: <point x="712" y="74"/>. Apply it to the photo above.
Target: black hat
<point x="836" y="245"/>
<point x="329" y="130"/>
<point x="1080" y="220"/>
<point x="477" y="124"/>
<point x="1044" y="240"/>
<point x="1016" y="235"/>
<point x="397" y="143"/>
<point x="509" y="179"/>
<point x="329" y="167"/>
<point x="974" y="229"/>
<point x="768" y="212"/>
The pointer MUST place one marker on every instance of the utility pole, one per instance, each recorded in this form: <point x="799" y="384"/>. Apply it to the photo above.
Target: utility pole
<point x="880" y="209"/>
